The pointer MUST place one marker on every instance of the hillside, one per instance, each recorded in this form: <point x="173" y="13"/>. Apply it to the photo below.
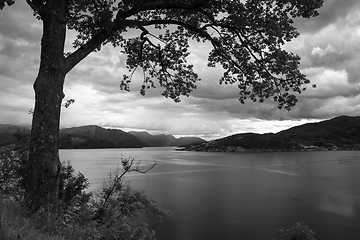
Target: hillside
<point x="97" y="137"/>
<point x="163" y="140"/>
<point x="340" y="133"/>
<point x="92" y="136"/>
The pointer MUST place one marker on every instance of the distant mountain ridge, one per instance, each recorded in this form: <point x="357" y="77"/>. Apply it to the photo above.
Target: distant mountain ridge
<point x="92" y="136"/>
<point x="164" y="140"/>
<point x="339" y="133"/>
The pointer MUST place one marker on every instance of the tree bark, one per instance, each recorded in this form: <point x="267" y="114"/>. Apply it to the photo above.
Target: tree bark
<point x="42" y="181"/>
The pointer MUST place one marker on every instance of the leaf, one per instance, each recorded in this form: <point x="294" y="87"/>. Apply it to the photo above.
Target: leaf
<point x="8" y="2"/>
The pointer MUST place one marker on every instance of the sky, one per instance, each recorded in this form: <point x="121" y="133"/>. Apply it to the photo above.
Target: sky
<point x="329" y="46"/>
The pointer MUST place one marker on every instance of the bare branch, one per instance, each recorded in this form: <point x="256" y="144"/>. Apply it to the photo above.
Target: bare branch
<point x="128" y="165"/>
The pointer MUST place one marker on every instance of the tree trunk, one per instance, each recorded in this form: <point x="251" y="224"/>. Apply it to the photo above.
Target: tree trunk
<point x="42" y="181"/>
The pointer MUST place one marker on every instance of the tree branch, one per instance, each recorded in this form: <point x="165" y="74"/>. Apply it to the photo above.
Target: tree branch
<point x="8" y="2"/>
<point x="119" y="23"/>
<point x="140" y="24"/>
<point x="162" y="5"/>
<point x="128" y="166"/>
<point x="74" y="58"/>
<point x="36" y="5"/>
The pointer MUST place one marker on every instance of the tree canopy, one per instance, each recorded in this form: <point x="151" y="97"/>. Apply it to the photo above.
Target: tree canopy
<point x="8" y="2"/>
<point x="246" y="36"/>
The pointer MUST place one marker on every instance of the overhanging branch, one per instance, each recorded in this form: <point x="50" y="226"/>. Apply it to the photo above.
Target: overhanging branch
<point x="162" y="5"/>
<point x="120" y="22"/>
<point x="36" y="5"/>
<point x="73" y="59"/>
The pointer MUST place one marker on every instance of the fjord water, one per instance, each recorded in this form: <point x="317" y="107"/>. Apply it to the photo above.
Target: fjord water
<point x="228" y="196"/>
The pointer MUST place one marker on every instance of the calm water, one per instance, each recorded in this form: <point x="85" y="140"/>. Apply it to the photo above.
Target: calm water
<point x="228" y="196"/>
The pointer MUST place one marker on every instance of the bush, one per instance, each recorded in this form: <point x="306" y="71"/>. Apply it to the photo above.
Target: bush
<point x="114" y="213"/>
<point x="12" y="169"/>
<point x="299" y="231"/>
<point x="14" y="226"/>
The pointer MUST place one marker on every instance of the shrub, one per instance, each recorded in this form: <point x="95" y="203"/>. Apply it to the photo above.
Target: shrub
<point x="114" y="213"/>
<point x="12" y="169"/>
<point x="14" y="226"/>
<point x="299" y="231"/>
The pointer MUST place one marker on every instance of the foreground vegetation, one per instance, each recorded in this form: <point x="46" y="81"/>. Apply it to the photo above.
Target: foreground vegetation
<point x="116" y="212"/>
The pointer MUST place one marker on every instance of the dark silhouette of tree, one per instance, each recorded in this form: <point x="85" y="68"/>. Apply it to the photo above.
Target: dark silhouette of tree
<point x="246" y="39"/>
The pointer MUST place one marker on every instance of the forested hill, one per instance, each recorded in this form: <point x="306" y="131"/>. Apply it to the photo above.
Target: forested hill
<point x="340" y="133"/>
<point x="164" y="140"/>
<point x="97" y="137"/>
<point x="92" y="136"/>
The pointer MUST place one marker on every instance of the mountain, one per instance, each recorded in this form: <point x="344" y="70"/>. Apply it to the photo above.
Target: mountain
<point x="97" y="137"/>
<point x="93" y="136"/>
<point x="182" y="141"/>
<point x="340" y="133"/>
<point x="163" y="140"/>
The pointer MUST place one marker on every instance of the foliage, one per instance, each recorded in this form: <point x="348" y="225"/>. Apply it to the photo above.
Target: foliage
<point x="299" y="231"/>
<point x="8" y="2"/>
<point x="14" y="226"/>
<point x="68" y="102"/>
<point x="246" y="39"/>
<point x="13" y="161"/>
<point x="114" y="213"/>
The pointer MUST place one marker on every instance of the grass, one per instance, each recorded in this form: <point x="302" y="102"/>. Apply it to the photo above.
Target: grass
<point x="14" y="226"/>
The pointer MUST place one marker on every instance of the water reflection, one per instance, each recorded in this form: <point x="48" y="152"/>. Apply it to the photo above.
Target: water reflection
<point x="278" y="171"/>
<point x="339" y="203"/>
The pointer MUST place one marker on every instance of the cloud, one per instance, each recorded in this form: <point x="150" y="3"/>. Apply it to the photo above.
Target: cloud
<point x="331" y="12"/>
<point x="328" y="45"/>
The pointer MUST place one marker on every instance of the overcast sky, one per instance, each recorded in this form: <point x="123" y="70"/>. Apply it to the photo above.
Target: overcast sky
<point x="329" y="46"/>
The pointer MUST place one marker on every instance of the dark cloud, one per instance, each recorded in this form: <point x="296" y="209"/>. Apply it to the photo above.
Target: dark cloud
<point x="17" y="22"/>
<point x="329" y="108"/>
<point x="329" y="13"/>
